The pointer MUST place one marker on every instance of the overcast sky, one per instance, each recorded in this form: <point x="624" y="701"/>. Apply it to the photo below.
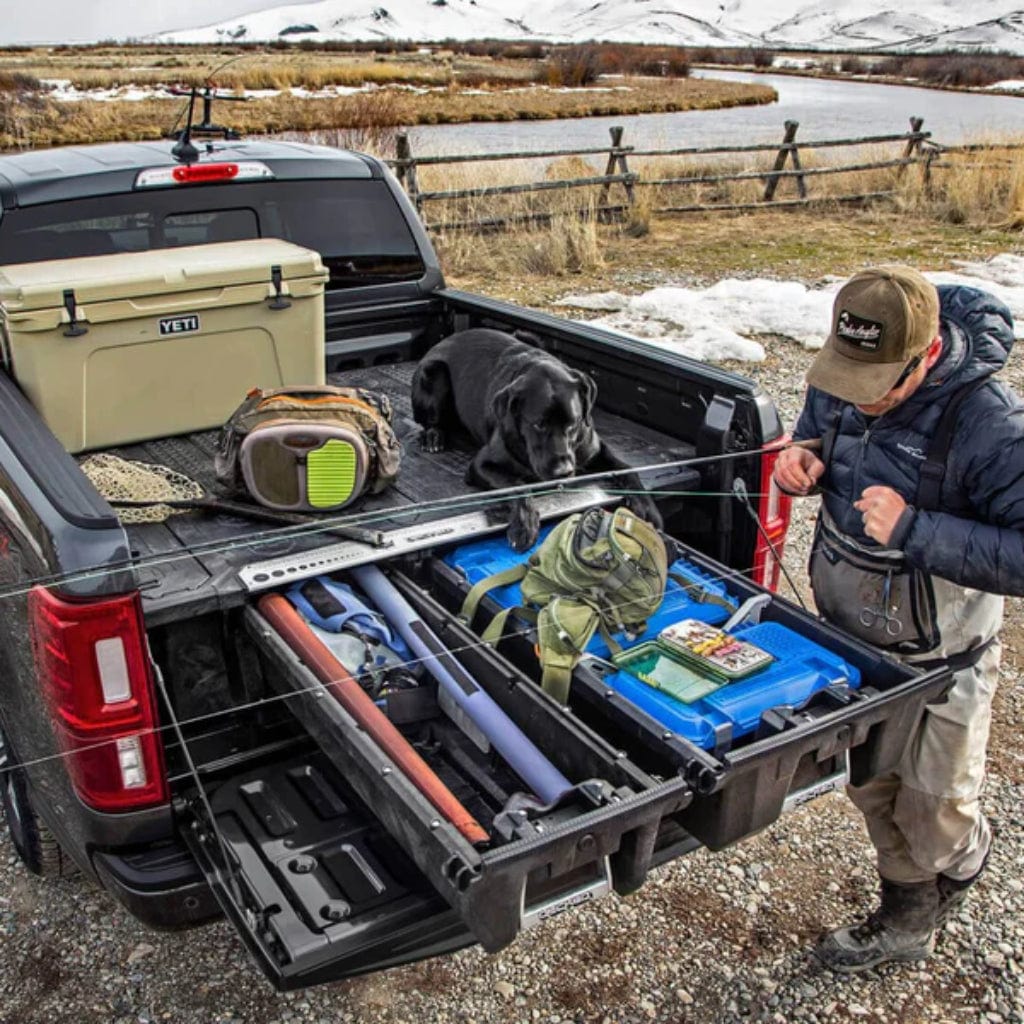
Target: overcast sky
<point x="75" y="21"/>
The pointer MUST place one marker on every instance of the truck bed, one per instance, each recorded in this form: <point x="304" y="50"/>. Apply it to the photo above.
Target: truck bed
<point x="192" y="558"/>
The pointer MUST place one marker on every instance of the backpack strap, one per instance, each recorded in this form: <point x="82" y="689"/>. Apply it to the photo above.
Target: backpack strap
<point x="933" y="470"/>
<point x="699" y="595"/>
<point x="495" y="631"/>
<point x="564" y="628"/>
<point x="514" y="574"/>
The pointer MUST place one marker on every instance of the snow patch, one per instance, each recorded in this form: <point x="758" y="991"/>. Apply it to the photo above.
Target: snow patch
<point x="723" y="321"/>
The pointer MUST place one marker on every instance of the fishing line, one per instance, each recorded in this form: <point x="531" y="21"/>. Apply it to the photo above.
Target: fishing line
<point x="371" y="517"/>
<point x="178" y="725"/>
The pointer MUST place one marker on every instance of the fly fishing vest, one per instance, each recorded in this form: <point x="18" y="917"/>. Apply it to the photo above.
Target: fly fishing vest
<point x="596" y="571"/>
<point x="308" y="449"/>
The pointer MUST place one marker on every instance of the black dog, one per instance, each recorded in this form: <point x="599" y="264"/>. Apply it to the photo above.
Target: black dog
<point x="529" y="413"/>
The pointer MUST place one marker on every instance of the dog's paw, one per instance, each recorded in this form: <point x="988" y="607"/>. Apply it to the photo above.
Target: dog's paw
<point x="523" y="526"/>
<point x="432" y="440"/>
<point x="644" y="507"/>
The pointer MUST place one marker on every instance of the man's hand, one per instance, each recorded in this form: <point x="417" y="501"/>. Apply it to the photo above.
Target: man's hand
<point x="797" y="470"/>
<point x="880" y="508"/>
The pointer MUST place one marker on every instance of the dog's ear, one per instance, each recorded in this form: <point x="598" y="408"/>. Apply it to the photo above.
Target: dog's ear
<point x="588" y="391"/>
<point x="506" y="405"/>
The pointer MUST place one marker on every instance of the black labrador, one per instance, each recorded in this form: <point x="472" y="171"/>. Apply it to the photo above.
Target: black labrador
<point x="529" y="413"/>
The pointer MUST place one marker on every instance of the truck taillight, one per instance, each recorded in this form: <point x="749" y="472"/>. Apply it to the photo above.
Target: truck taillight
<point x="94" y="671"/>
<point x="773" y="510"/>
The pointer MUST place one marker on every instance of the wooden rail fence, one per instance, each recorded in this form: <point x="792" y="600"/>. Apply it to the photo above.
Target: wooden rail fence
<point x="917" y="149"/>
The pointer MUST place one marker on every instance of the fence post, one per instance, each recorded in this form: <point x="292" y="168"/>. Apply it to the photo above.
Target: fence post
<point x="930" y="154"/>
<point x="913" y="147"/>
<point x="616" y="161"/>
<point x="406" y="170"/>
<point x="788" y="146"/>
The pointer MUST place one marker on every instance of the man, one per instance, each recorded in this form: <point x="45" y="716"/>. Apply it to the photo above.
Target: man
<point x="913" y="546"/>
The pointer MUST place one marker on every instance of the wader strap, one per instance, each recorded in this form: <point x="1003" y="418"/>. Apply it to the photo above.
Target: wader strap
<point x="486" y="585"/>
<point x="956" y="662"/>
<point x="828" y="439"/>
<point x="933" y="469"/>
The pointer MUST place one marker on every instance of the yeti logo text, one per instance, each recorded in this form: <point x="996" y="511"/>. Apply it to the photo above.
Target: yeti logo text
<point x="184" y="324"/>
<point x="855" y="330"/>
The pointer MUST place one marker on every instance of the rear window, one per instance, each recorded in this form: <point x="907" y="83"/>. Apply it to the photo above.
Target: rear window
<point x="356" y="226"/>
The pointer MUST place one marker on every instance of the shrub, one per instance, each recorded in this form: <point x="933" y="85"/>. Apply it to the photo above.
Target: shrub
<point x="574" y="66"/>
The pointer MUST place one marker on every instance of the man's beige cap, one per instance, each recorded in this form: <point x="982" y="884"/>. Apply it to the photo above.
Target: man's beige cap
<point x="881" y="319"/>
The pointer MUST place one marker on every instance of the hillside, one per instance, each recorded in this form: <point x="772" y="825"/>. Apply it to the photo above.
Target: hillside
<point x="990" y="25"/>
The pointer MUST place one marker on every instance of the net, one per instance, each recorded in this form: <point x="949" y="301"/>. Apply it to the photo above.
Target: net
<point x="120" y="479"/>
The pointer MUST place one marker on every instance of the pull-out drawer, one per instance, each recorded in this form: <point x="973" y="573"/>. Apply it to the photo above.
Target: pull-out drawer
<point x="797" y="751"/>
<point x="303" y="853"/>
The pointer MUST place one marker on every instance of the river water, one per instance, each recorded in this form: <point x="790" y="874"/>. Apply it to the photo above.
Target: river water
<point x="824" y="108"/>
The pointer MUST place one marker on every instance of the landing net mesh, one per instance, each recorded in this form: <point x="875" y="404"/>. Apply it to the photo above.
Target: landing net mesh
<point x="120" y="479"/>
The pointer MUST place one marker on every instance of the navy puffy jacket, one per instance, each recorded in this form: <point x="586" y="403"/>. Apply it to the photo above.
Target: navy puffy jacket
<point x="977" y="537"/>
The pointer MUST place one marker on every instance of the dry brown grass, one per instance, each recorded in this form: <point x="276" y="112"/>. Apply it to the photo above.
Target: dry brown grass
<point x="983" y="188"/>
<point x="981" y="196"/>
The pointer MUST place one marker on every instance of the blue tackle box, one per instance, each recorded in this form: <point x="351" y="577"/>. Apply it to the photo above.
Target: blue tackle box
<point x="802" y="668"/>
<point x="475" y="562"/>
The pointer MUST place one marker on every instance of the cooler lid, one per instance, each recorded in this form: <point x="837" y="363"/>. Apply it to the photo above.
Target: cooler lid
<point x="34" y="286"/>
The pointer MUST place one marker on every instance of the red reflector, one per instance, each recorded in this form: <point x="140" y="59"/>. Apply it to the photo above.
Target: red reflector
<point x="94" y="672"/>
<point x="195" y="173"/>
<point x="773" y="509"/>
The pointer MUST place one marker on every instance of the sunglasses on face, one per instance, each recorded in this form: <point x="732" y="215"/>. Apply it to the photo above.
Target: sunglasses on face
<point x="907" y="371"/>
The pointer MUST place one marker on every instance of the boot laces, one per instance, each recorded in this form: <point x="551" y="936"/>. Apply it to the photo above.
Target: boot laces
<point x="869" y="927"/>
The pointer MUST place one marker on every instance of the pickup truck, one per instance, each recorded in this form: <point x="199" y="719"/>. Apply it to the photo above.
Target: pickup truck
<point x="257" y="796"/>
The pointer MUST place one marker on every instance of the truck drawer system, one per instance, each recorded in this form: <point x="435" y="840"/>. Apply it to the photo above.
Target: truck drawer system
<point x="322" y="860"/>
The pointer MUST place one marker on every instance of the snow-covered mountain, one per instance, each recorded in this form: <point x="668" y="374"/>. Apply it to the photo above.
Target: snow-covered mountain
<point x="989" y="25"/>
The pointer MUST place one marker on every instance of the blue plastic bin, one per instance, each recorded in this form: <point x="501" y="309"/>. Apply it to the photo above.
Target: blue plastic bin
<point x="484" y="558"/>
<point x="802" y="668"/>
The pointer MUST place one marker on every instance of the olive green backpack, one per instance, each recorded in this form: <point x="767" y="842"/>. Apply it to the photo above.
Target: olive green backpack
<point x="596" y="571"/>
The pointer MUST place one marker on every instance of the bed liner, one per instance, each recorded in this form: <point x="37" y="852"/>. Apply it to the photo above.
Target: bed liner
<point x="190" y="578"/>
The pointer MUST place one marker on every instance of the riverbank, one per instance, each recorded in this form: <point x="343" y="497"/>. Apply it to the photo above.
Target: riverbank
<point x="831" y="69"/>
<point x="71" y="96"/>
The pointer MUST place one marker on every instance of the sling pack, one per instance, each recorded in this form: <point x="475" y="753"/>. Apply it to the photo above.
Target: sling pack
<point x="311" y="449"/>
<point x="875" y="594"/>
<point x="596" y="570"/>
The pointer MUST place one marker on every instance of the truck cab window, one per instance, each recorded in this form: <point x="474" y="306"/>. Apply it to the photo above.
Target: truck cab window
<point x="354" y="224"/>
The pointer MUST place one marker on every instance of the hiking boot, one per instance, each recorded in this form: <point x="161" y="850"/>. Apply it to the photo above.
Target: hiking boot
<point x="903" y="928"/>
<point x="953" y="894"/>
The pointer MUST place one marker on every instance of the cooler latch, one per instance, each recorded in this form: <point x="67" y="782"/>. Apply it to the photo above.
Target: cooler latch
<point x="74" y="329"/>
<point x="277" y="280"/>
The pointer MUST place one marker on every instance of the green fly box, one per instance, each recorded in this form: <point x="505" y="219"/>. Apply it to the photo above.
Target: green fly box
<point x="657" y="667"/>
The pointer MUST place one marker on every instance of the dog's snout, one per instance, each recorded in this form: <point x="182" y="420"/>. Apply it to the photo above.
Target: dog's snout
<point x="562" y="468"/>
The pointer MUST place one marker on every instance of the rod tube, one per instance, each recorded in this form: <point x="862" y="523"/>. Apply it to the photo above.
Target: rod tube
<point x="280" y="613"/>
<point x="546" y="781"/>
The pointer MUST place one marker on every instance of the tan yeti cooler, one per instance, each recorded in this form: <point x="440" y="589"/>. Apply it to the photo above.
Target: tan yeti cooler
<point x="113" y="349"/>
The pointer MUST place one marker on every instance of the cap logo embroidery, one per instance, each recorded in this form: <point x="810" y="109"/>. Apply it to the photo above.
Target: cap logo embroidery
<point x="856" y="330"/>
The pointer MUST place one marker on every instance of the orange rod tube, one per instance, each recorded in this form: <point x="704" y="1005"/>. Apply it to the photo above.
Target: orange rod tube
<point x="280" y="613"/>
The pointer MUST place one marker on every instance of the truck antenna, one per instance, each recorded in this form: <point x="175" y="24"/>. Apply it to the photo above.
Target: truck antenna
<point x="185" y="149"/>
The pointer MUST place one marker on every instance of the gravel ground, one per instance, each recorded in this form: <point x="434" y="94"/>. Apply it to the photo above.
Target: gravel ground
<point x="713" y="938"/>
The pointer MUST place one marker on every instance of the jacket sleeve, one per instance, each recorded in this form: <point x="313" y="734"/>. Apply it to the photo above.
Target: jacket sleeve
<point x="986" y="552"/>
